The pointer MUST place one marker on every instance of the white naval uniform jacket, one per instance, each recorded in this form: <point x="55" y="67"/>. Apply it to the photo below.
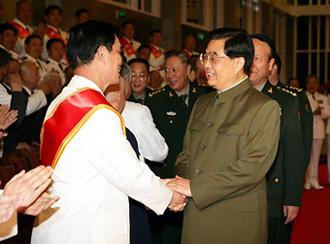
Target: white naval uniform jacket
<point x="138" y="119"/>
<point x="94" y="176"/>
<point x="318" y="120"/>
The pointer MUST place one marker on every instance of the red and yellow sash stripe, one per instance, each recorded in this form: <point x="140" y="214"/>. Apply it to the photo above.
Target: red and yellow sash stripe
<point x="127" y="46"/>
<point x="22" y="31"/>
<point x="66" y="120"/>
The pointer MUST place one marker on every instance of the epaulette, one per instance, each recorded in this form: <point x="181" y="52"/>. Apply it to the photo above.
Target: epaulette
<point x="294" y="88"/>
<point x="151" y="94"/>
<point x="287" y="91"/>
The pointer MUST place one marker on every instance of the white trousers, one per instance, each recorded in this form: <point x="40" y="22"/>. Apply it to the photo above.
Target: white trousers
<point x="312" y="169"/>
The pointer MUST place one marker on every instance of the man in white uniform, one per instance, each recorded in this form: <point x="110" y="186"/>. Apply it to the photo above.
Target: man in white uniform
<point x="83" y="138"/>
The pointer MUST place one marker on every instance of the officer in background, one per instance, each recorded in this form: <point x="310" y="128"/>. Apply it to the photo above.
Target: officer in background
<point x="285" y="179"/>
<point x="305" y="112"/>
<point x="170" y="108"/>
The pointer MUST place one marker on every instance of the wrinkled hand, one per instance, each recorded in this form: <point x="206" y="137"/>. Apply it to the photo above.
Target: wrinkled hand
<point x="180" y="185"/>
<point x="178" y="202"/>
<point x="32" y="184"/>
<point x="7" y="117"/>
<point x="8" y="206"/>
<point x="15" y="82"/>
<point x="42" y="203"/>
<point x="290" y="212"/>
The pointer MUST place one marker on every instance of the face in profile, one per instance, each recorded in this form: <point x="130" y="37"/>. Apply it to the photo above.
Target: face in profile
<point x="176" y="73"/>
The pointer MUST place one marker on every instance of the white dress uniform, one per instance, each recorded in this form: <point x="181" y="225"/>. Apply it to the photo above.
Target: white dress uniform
<point x="9" y="228"/>
<point x="94" y="176"/>
<point x="59" y="67"/>
<point x="318" y="135"/>
<point x="156" y="62"/>
<point x="36" y="100"/>
<point x="19" y="47"/>
<point x="13" y="54"/>
<point x="40" y="64"/>
<point x="135" y="45"/>
<point x="63" y="34"/>
<point x="138" y="119"/>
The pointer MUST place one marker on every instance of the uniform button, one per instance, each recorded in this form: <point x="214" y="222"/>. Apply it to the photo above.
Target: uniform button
<point x="203" y="147"/>
<point x="197" y="171"/>
<point x="209" y="123"/>
<point x="171" y="121"/>
<point x="276" y="180"/>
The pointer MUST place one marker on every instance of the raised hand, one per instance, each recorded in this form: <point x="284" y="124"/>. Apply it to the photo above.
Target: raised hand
<point x="8" y="206"/>
<point x="7" y="117"/>
<point x="32" y="184"/>
<point x="43" y="202"/>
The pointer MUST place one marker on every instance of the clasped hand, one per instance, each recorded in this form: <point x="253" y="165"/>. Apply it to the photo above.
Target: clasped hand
<point x="181" y="192"/>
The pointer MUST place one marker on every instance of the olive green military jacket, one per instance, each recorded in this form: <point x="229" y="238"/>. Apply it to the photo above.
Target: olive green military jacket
<point x="286" y="177"/>
<point x="306" y="120"/>
<point x="230" y="144"/>
<point x="171" y="116"/>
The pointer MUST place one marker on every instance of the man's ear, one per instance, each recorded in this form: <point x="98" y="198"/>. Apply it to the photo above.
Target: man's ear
<point x="271" y="64"/>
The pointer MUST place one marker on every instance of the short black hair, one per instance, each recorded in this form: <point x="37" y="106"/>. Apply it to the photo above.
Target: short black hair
<point x="18" y="3"/>
<point x="141" y="61"/>
<point x="143" y="46"/>
<point x="6" y="26"/>
<point x="51" y="41"/>
<point x="81" y="11"/>
<point x="268" y="41"/>
<point x="278" y="62"/>
<point x="238" y="44"/>
<point x="127" y="22"/>
<point x="152" y="32"/>
<point x="31" y="37"/>
<point x="180" y="54"/>
<point x="52" y="7"/>
<point x="4" y="57"/>
<point x="86" y="38"/>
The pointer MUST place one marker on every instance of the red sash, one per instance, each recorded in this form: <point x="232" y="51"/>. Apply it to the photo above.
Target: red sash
<point x="66" y="120"/>
<point x="22" y="31"/>
<point x="51" y="33"/>
<point x="156" y="51"/>
<point x="128" y="46"/>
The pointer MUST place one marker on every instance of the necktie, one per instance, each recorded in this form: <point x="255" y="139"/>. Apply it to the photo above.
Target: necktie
<point x="184" y="98"/>
<point x="59" y="65"/>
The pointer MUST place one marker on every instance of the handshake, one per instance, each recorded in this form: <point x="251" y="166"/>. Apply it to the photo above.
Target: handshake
<point x="181" y="192"/>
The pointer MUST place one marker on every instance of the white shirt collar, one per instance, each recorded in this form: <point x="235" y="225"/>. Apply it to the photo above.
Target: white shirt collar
<point x="78" y="81"/>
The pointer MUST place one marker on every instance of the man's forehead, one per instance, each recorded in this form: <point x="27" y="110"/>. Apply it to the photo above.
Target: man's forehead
<point x="215" y="45"/>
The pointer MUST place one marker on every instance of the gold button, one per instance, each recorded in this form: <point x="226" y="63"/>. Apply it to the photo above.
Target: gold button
<point x="197" y="171"/>
<point x="276" y="180"/>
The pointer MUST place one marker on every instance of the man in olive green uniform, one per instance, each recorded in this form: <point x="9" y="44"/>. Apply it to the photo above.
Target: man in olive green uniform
<point x="304" y="110"/>
<point x="285" y="180"/>
<point x="170" y="108"/>
<point x="230" y="144"/>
